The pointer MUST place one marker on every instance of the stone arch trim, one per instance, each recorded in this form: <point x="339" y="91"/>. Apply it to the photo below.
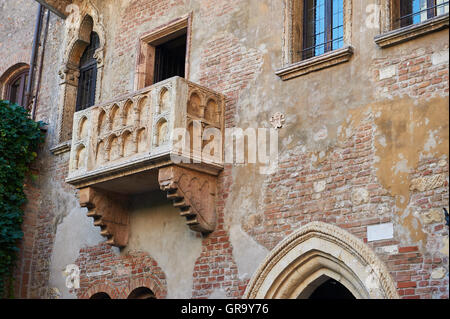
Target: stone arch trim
<point x="130" y="271"/>
<point x="150" y="282"/>
<point x="356" y="265"/>
<point x="102" y="286"/>
<point x="76" y="28"/>
<point x="9" y="74"/>
<point x="83" y="21"/>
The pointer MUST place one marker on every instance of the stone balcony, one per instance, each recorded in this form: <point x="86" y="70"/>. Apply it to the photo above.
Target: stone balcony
<point x="132" y="145"/>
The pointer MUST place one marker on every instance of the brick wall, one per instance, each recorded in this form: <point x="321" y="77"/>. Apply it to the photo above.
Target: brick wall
<point x="419" y="73"/>
<point x="301" y="192"/>
<point x="341" y="189"/>
<point x="103" y="271"/>
<point x="133" y="21"/>
<point x="227" y="67"/>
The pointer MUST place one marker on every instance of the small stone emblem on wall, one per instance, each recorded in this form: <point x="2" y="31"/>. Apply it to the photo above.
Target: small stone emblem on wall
<point x="72" y="274"/>
<point x="277" y="120"/>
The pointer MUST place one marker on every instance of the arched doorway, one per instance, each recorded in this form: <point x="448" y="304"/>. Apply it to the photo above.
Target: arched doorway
<point x="100" y="295"/>
<point x="327" y="288"/>
<point x="142" y="293"/>
<point x="312" y="256"/>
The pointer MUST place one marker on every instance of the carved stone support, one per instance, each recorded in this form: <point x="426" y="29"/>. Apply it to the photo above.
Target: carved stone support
<point x="110" y="211"/>
<point x="193" y="193"/>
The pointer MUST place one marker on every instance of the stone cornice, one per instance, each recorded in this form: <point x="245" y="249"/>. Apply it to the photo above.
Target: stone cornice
<point x="315" y="64"/>
<point x="61" y="148"/>
<point x="412" y="31"/>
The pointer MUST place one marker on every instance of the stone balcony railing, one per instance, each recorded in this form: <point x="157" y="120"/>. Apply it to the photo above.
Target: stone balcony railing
<point x="127" y="146"/>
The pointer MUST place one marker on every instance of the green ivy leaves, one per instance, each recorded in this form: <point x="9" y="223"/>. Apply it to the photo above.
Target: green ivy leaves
<point x="19" y="139"/>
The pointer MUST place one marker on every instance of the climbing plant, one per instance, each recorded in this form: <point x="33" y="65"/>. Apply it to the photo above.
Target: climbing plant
<point x="20" y="137"/>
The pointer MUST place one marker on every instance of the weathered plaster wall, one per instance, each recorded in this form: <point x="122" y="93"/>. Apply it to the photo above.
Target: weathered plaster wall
<point x="365" y="143"/>
<point x="158" y="229"/>
<point x="74" y="233"/>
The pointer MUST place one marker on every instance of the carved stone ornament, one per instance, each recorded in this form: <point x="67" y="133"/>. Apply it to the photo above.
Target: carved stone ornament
<point x="98" y="55"/>
<point x="193" y="193"/>
<point x="110" y="212"/>
<point x="69" y="75"/>
<point x="427" y="183"/>
<point x="277" y="120"/>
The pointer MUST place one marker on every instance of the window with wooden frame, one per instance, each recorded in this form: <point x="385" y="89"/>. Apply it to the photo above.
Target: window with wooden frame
<point x="408" y="12"/>
<point x="88" y="75"/>
<point x="317" y="35"/>
<point x="16" y="88"/>
<point x="404" y="20"/>
<point x="80" y="79"/>
<point x="323" y="27"/>
<point x="164" y="53"/>
<point x="170" y="58"/>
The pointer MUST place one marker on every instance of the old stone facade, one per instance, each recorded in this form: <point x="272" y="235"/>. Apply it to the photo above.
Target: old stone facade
<point x="361" y="179"/>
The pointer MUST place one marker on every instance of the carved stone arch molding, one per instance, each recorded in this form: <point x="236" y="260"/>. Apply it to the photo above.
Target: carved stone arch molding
<point x="84" y="20"/>
<point x="317" y="251"/>
<point x="10" y="74"/>
<point x="101" y="287"/>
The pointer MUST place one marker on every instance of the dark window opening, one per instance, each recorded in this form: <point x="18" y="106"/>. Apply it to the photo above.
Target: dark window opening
<point x="170" y="59"/>
<point x="417" y="11"/>
<point x="16" y="89"/>
<point x="88" y="75"/>
<point x="331" y="289"/>
<point x="323" y="27"/>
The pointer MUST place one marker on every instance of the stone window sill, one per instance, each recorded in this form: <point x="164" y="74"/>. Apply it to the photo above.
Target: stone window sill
<point x="412" y="31"/>
<point x="61" y="148"/>
<point x="315" y="64"/>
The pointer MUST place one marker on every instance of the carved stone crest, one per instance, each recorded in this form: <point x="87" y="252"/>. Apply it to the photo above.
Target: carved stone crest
<point x="277" y="120"/>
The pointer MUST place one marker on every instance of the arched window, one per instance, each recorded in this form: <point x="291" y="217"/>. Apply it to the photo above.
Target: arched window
<point x="15" y="88"/>
<point x="88" y="75"/>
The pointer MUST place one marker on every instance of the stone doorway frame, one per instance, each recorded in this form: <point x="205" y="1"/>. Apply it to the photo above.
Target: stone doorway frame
<point x="315" y="252"/>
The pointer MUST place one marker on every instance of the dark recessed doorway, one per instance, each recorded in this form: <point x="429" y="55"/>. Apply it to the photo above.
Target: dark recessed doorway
<point x="331" y="289"/>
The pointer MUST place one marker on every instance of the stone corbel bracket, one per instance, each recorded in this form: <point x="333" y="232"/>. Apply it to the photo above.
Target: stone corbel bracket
<point x="110" y="212"/>
<point x="193" y="192"/>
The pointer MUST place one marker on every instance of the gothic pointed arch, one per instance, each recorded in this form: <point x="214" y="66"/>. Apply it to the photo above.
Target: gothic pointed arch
<point x="84" y="26"/>
<point x="315" y="253"/>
